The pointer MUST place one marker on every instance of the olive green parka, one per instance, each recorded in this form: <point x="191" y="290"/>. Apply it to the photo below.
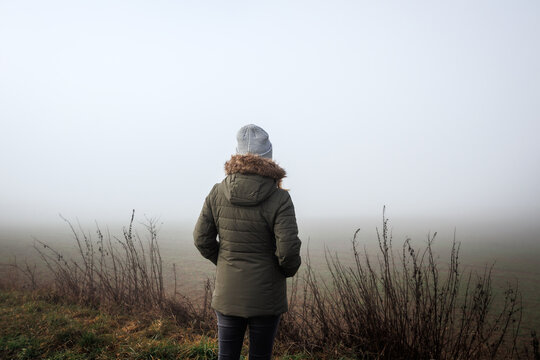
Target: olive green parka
<point x="258" y="245"/>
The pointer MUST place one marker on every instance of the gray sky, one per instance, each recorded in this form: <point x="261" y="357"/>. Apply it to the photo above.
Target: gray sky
<point x="431" y="108"/>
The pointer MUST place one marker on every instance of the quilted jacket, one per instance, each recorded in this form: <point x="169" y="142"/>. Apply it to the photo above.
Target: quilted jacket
<point x="247" y="227"/>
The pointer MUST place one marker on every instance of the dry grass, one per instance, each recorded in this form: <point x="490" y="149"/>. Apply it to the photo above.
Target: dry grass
<point x="404" y="306"/>
<point x="395" y="305"/>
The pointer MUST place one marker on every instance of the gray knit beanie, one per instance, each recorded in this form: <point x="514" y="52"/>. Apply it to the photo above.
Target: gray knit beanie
<point x="254" y="140"/>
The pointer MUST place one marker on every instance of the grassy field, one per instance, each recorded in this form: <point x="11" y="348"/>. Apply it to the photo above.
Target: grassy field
<point x="37" y="326"/>
<point x="513" y="251"/>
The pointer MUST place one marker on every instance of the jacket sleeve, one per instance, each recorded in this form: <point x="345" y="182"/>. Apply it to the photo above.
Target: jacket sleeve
<point x="287" y="241"/>
<point x="205" y="232"/>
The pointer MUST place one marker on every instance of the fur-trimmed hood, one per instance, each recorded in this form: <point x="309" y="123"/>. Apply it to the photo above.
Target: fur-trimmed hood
<point x="254" y="164"/>
<point x="251" y="179"/>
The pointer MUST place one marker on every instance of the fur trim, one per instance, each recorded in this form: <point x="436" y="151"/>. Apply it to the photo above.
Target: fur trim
<point x="254" y="164"/>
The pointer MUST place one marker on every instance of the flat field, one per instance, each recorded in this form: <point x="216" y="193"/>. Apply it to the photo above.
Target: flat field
<point x="513" y="248"/>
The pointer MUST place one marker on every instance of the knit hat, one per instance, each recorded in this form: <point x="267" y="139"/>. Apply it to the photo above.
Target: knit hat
<point x="253" y="140"/>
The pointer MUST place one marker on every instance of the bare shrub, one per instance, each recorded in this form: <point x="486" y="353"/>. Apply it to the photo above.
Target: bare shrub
<point x="533" y="353"/>
<point x="122" y="273"/>
<point x="404" y="307"/>
<point x="111" y="271"/>
<point x="11" y="279"/>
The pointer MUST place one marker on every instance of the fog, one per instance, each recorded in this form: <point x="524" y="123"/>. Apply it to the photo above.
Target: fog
<point x="429" y="108"/>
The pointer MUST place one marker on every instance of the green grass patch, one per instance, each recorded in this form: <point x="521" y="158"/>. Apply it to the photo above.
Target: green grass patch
<point x="19" y="347"/>
<point x="42" y="327"/>
<point x="205" y="349"/>
<point x="161" y="350"/>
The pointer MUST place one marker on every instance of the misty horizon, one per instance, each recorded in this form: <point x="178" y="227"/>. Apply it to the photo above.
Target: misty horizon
<point x="428" y="108"/>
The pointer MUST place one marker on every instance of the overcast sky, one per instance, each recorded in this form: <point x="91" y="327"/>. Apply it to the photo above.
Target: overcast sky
<point x="431" y="108"/>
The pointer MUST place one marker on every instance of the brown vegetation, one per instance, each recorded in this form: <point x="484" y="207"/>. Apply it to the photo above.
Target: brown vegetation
<point x="406" y="307"/>
<point x="395" y="306"/>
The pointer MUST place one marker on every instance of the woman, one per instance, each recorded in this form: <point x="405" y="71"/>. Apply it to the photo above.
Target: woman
<point x="258" y="246"/>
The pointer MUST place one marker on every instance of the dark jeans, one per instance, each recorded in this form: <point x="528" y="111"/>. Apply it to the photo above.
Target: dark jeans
<point x="231" y="330"/>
